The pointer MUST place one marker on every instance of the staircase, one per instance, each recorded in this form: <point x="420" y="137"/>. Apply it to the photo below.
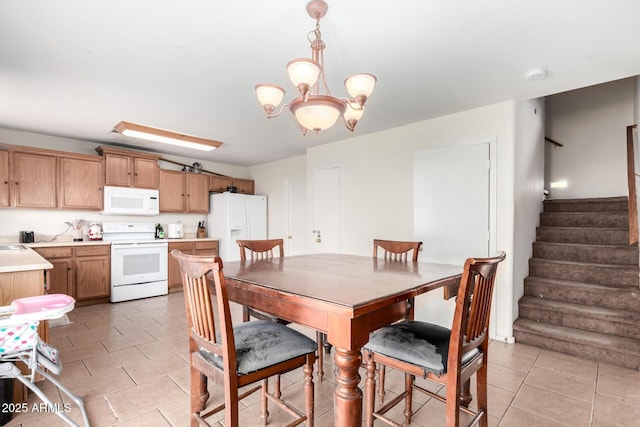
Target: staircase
<point x="582" y="295"/>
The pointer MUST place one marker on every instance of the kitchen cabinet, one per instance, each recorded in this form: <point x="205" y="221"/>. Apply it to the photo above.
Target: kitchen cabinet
<point x="93" y="272"/>
<point x="197" y="193"/>
<point x="198" y="247"/>
<point x="81" y="182"/>
<point x="243" y="186"/>
<point x="83" y="272"/>
<point x="4" y="178"/>
<point x="21" y="284"/>
<point x="183" y="192"/>
<point x="219" y="183"/>
<point x="34" y="180"/>
<point x="125" y="168"/>
<point x="59" y="280"/>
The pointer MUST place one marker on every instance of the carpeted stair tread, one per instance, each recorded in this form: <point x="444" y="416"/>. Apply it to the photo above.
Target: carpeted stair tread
<point x="612" y="349"/>
<point x="626" y="316"/>
<point x="583" y="235"/>
<point x="585" y="219"/>
<point x="578" y="336"/>
<point x="617" y="297"/>
<point x="582" y="252"/>
<point x="623" y="275"/>
<point x="611" y="204"/>
<point x="625" y="323"/>
<point x="632" y="268"/>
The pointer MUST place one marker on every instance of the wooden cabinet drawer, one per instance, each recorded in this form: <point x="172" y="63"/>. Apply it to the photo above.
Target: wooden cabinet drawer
<point x="181" y="246"/>
<point x="93" y="250"/>
<point x="55" y="252"/>
<point x="211" y="246"/>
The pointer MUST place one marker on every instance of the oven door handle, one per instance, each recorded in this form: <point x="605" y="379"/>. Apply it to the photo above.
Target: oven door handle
<point x="117" y="246"/>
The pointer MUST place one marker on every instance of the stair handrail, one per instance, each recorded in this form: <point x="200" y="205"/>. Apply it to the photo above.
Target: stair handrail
<point x="631" y="180"/>
<point x="553" y="141"/>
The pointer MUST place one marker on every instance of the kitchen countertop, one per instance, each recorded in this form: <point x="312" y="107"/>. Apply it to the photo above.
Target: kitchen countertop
<point x="22" y="260"/>
<point x="193" y="239"/>
<point x="105" y="242"/>
<point x="66" y="243"/>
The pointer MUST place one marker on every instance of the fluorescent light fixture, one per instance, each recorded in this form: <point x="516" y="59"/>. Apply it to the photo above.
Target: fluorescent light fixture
<point x="559" y="184"/>
<point x="165" y="136"/>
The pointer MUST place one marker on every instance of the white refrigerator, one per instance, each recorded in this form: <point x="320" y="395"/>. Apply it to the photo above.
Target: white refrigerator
<point x="234" y="216"/>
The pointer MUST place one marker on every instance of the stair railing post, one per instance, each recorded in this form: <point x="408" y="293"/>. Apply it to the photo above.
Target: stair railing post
<point x="631" y="179"/>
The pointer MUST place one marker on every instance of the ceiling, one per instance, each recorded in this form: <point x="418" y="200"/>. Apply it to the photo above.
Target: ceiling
<point x="74" y="68"/>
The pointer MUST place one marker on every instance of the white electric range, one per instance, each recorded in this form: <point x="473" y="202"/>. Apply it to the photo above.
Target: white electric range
<point x="138" y="261"/>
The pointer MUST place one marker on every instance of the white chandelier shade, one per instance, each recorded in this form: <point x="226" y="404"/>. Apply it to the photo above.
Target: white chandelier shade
<point x="314" y="110"/>
<point x="359" y="85"/>
<point x="269" y="95"/>
<point x="304" y="74"/>
<point x="318" y="112"/>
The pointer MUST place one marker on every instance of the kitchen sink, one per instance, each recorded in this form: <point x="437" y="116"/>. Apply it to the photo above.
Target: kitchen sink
<point x="12" y="247"/>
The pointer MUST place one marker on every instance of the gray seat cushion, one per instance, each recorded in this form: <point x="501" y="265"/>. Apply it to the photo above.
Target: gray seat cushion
<point x="262" y="343"/>
<point x="420" y="343"/>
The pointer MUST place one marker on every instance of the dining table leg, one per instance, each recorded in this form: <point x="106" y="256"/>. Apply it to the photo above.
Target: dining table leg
<point x="347" y="398"/>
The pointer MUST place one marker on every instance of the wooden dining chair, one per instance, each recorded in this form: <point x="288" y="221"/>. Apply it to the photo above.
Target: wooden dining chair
<point x="396" y="250"/>
<point x="260" y="249"/>
<point x="237" y="356"/>
<point x="265" y="249"/>
<point x="446" y="356"/>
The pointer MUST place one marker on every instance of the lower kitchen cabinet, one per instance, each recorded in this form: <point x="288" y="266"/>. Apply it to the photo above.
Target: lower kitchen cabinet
<point x="198" y="247"/>
<point x="83" y="272"/>
<point x="22" y="284"/>
<point x="93" y="272"/>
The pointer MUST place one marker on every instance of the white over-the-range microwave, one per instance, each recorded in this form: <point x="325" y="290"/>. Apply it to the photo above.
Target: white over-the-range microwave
<point x="131" y="201"/>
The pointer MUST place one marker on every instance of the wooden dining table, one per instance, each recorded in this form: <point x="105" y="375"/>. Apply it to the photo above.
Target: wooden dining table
<point x="344" y="296"/>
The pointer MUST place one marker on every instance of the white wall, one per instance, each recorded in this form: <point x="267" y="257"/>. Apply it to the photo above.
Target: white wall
<point x="591" y="124"/>
<point x="377" y="172"/>
<point x="528" y="188"/>
<point x="47" y="223"/>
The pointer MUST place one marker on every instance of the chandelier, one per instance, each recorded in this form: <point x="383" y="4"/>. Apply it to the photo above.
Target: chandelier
<point x="312" y="109"/>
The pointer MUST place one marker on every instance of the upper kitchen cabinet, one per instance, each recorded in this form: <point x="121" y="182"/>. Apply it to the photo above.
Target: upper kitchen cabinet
<point x="219" y="183"/>
<point x="4" y="178"/>
<point x="183" y="192"/>
<point x="81" y="182"/>
<point x="243" y="186"/>
<point x="125" y="168"/>
<point x="33" y="180"/>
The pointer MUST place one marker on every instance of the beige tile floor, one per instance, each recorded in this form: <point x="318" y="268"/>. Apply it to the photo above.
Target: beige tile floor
<point x="129" y="363"/>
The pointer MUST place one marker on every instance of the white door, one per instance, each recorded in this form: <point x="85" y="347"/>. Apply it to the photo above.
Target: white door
<point x="451" y="202"/>
<point x="325" y="235"/>
<point x="295" y="242"/>
<point x="451" y="213"/>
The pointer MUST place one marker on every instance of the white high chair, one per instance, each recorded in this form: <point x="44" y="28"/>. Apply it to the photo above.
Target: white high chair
<point x="20" y="342"/>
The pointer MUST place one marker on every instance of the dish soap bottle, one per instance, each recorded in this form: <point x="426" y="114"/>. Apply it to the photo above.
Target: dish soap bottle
<point x="159" y="231"/>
